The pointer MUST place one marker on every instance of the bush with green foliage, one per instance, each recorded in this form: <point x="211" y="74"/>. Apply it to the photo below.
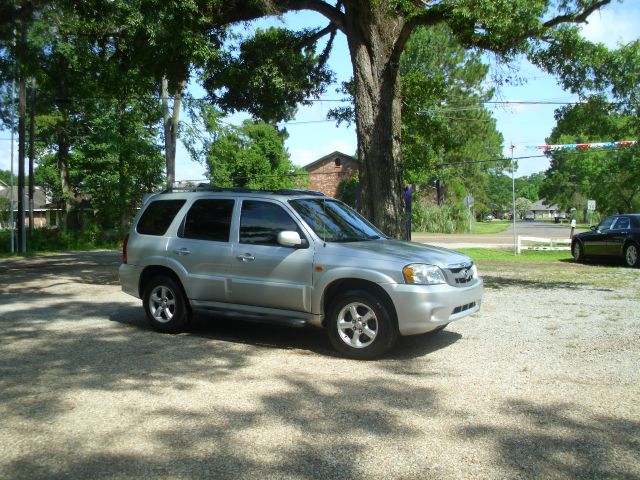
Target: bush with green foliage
<point x="347" y="190"/>
<point x="440" y="219"/>
<point x="53" y="240"/>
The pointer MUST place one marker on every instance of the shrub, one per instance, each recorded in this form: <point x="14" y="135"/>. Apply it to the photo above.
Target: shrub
<point x="437" y="219"/>
<point x="54" y="240"/>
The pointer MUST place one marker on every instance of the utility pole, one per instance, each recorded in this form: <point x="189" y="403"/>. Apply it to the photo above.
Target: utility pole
<point x="513" y="199"/>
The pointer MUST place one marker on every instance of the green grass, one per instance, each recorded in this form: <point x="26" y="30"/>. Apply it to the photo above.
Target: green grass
<point x="496" y="226"/>
<point x="480" y="228"/>
<point x="507" y="255"/>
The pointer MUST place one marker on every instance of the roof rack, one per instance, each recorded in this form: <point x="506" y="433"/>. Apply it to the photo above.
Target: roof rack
<point x="205" y="187"/>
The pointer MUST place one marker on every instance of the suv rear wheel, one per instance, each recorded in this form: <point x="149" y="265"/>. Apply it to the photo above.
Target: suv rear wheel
<point x="165" y="305"/>
<point x="359" y="326"/>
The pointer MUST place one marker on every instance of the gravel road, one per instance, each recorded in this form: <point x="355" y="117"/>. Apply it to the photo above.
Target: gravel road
<point x="542" y="383"/>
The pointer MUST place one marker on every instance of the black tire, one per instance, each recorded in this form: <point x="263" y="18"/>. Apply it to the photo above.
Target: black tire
<point x="371" y="331"/>
<point x="165" y="305"/>
<point x="631" y="257"/>
<point x="577" y="250"/>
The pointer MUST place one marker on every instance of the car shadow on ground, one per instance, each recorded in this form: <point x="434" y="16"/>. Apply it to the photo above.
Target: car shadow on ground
<point x="274" y="336"/>
<point x="496" y="282"/>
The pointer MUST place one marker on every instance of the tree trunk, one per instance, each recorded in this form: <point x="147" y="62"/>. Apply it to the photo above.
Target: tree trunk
<point x="171" y="122"/>
<point x="122" y="166"/>
<point x="22" y="113"/>
<point x="372" y="45"/>
<point x="32" y="115"/>
<point x="69" y="220"/>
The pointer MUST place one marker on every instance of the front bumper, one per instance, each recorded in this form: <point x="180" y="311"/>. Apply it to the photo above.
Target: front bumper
<point x="422" y="308"/>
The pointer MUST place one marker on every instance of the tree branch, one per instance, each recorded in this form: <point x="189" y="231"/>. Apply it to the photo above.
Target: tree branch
<point x="432" y="16"/>
<point x="333" y="14"/>
<point x="310" y="40"/>
<point x="576" y="17"/>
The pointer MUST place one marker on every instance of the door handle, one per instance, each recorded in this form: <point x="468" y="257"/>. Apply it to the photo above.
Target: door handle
<point x="182" y="252"/>
<point x="246" y="257"/>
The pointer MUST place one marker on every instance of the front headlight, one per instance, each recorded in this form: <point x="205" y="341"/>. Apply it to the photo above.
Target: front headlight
<point x="420" y="274"/>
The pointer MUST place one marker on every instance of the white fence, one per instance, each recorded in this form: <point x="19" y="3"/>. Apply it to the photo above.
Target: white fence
<point x="552" y="243"/>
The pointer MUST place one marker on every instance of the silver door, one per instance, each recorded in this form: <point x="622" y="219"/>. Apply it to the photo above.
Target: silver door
<point x="204" y="249"/>
<point x="266" y="274"/>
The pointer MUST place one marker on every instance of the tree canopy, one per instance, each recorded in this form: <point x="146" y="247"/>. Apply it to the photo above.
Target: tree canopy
<point x="121" y="54"/>
<point x="609" y="176"/>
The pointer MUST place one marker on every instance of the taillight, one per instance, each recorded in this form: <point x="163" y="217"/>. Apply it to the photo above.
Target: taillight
<point x="124" y="248"/>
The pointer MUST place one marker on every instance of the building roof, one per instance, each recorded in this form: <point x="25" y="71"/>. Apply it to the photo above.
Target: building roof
<point x="541" y="205"/>
<point x="39" y="197"/>
<point x="331" y="156"/>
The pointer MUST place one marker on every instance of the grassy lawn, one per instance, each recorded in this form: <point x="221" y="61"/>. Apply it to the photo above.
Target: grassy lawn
<point x="480" y="228"/>
<point x="550" y="269"/>
<point x="507" y="255"/>
<point x="495" y="226"/>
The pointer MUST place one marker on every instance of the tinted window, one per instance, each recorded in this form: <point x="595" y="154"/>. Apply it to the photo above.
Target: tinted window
<point x="621" y="223"/>
<point x="606" y="223"/>
<point x="208" y="219"/>
<point x="158" y="216"/>
<point x="261" y="222"/>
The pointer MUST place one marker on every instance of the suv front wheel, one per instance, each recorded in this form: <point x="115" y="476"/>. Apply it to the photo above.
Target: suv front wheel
<point x="165" y="305"/>
<point x="359" y="326"/>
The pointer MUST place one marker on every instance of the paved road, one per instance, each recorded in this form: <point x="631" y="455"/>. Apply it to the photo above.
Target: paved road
<point x="497" y="240"/>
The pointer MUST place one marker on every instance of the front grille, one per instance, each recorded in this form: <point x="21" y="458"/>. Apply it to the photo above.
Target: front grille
<point x="461" y="273"/>
<point x="464" y="280"/>
<point x="462" y="308"/>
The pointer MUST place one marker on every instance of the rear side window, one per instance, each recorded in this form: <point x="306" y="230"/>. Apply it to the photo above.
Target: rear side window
<point x="208" y="219"/>
<point x="158" y="216"/>
<point x="621" y="223"/>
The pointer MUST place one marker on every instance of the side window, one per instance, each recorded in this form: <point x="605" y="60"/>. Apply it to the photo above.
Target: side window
<point x="158" y="216"/>
<point x="261" y="222"/>
<point x="622" y="223"/>
<point x="606" y="223"/>
<point x="208" y="219"/>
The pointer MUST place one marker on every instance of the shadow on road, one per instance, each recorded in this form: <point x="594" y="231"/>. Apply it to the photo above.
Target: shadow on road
<point x="265" y="335"/>
<point x="562" y="441"/>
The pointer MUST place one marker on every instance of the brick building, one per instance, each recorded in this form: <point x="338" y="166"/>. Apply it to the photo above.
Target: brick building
<point x="327" y="172"/>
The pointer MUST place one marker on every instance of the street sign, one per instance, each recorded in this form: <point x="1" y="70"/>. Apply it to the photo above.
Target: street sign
<point x="468" y="201"/>
<point x="591" y="205"/>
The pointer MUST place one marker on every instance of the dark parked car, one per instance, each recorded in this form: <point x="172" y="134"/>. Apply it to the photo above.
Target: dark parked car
<point x="616" y="236"/>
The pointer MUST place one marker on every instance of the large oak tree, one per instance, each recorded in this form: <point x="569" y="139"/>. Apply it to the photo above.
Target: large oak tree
<point x="377" y="32"/>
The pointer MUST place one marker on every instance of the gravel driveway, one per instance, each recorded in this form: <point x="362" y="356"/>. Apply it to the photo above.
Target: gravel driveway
<point x="543" y="382"/>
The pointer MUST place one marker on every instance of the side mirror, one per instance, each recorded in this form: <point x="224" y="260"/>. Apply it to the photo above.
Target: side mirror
<point x="289" y="238"/>
<point x="594" y="228"/>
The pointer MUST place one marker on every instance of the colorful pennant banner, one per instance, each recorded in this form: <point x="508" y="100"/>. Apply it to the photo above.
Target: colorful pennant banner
<point x="581" y="146"/>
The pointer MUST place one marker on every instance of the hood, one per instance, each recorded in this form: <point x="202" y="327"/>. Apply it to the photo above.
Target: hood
<point x="403" y="252"/>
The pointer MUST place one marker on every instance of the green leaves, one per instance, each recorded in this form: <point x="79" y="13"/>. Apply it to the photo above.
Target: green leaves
<point x="609" y="176"/>
<point x="252" y="155"/>
<point x="272" y="73"/>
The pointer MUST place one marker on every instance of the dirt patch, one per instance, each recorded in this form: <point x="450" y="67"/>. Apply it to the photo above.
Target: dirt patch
<point x="543" y="382"/>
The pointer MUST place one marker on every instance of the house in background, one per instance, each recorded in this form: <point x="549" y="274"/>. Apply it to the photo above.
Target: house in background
<point x="543" y="211"/>
<point x="44" y="214"/>
<point x="327" y="172"/>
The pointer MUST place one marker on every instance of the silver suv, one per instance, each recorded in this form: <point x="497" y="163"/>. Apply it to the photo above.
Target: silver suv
<point x="294" y="256"/>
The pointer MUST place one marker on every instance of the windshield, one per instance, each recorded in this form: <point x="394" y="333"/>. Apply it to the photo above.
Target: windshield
<point x="334" y="221"/>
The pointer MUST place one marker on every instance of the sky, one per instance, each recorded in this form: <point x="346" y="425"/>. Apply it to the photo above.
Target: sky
<point x="311" y="136"/>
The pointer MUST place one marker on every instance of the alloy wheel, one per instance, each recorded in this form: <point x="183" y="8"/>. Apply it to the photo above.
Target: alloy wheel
<point x="162" y="304"/>
<point x="357" y="325"/>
